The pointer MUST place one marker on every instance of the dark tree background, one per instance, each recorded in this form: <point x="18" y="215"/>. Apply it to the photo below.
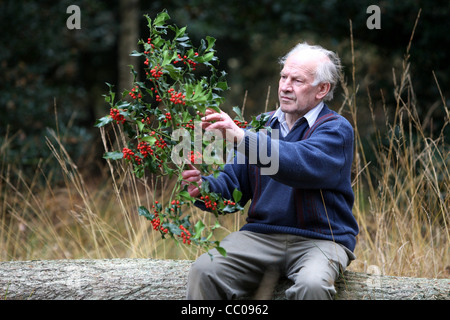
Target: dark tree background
<point x="53" y="78"/>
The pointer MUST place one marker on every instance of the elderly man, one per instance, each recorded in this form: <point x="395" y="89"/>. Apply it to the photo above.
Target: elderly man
<point x="300" y="223"/>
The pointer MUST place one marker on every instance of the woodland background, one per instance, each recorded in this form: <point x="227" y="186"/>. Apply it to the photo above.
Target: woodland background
<point x="43" y="64"/>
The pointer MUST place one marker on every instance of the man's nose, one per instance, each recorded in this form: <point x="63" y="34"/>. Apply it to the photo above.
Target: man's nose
<point x="286" y="86"/>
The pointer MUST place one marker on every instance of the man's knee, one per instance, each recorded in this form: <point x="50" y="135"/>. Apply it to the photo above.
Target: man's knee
<point x="202" y="269"/>
<point x="312" y="286"/>
<point x="204" y="282"/>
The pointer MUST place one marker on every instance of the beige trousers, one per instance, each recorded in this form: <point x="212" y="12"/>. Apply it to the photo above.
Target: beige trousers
<point x="312" y="265"/>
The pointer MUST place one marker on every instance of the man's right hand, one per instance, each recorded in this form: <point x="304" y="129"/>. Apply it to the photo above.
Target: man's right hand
<point x="192" y="175"/>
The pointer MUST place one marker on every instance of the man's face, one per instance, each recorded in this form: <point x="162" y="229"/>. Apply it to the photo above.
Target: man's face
<point x="296" y="92"/>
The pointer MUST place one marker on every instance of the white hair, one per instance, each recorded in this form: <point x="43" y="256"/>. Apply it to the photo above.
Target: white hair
<point x="327" y="71"/>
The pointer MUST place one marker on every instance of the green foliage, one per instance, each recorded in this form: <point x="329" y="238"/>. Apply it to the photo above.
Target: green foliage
<point x="174" y="95"/>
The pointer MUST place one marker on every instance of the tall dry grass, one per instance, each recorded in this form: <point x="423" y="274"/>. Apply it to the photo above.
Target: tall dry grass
<point x="402" y="199"/>
<point x="85" y="218"/>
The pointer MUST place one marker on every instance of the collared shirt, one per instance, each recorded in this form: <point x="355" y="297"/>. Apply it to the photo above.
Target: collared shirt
<point x="310" y="116"/>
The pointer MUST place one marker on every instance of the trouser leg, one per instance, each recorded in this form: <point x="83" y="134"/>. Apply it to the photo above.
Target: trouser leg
<point x="314" y="266"/>
<point x="249" y="256"/>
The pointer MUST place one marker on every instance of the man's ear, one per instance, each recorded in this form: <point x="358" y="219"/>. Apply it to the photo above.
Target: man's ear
<point x="324" y="88"/>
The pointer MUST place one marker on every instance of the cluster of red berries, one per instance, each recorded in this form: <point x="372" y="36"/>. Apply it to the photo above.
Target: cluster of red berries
<point x="146" y="120"/>
<point x="208" y="203"/>
<point x="156" y="71"/>
<point x="185" y="60"/>
<point x="168" y="117"/>
<point x="241" y="124"/>
<point x="185" y="234"/>
<point x="229" y="202"/>
<point x="145" y="149"/>
<point x="135" y="94"/>
<point x="160" y="143"/>
<point x="115" y="114"/>
<point x="149" y="41"/>
<point x="176" y="97"/>
<point x="176" y="203"/>
<point x="156" y="222"/>
<point x="188" y="125"/>
<point x="158" y="98"/>
<point x="130" y="155"/>
<point x="196" y="156"/>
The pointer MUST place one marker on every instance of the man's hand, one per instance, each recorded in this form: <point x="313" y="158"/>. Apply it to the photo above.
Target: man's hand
<point x="192" y="175"/>
<point x="213" y="120"/>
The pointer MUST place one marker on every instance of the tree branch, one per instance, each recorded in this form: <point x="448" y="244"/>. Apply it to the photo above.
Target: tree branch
<point x="150" y="279"/>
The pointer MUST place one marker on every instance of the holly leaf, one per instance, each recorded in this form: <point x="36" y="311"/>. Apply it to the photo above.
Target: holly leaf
<point x="173" y="228"/>
<point x="222" y="85"/>
<point x="183" y="39"/>
<point x="222" y="251"/>
<point x="142" y="211"/>
<point x="228" y="209"/>
<point x="103" y="121"/>
<point x="199" y="227"/>
<point x="161" y="19"/>
<point x="135" y="53"/>
<point x="238" y="111"/>
<point x="185" y="195"/>
<point x="149" y="139"/>
<point x="211" y="42"/>
<point x="205" y="186"/>
<point x="217" y="225"/>
<point x="237" y="195"/>
<point x="113" y="155"/>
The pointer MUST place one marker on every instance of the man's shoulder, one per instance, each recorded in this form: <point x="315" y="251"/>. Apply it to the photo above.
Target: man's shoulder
<point x="333" y="115"/>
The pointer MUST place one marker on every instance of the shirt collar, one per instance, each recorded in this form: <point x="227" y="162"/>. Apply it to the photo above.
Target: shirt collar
<point x="310" y="116"/>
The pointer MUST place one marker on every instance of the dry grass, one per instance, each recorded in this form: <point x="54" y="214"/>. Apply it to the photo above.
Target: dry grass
<point x="85" y="219"/>
<point x="402" y="201"/>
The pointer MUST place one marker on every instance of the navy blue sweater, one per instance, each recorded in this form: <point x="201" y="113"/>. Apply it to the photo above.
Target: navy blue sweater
<point x="310" y="194"/>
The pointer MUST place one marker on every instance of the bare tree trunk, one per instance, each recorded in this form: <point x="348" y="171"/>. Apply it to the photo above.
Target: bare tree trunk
<point x="128" y="37"/>
<point x="150" y="279"/>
